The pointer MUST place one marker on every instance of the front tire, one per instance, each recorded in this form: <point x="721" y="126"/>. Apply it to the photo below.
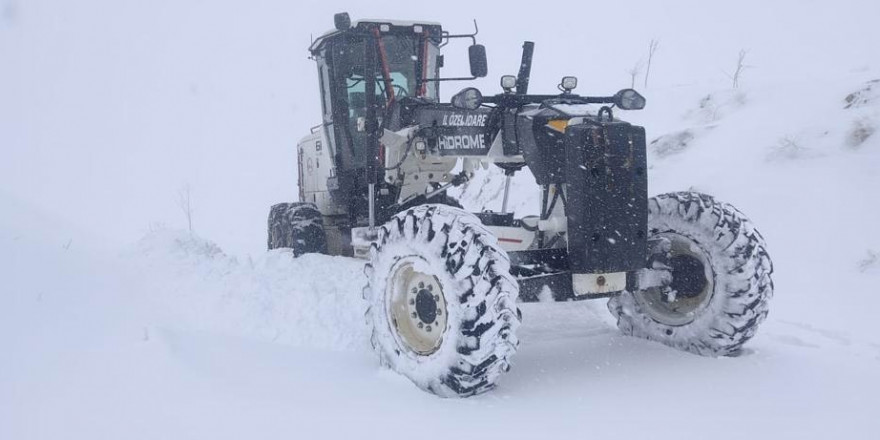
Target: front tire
<point x="721" y="278"/>
<point x="442" y="302"/>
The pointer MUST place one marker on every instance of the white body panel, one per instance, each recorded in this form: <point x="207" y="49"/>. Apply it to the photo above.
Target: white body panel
<point x="598" y="283"/>
<point x="315" y="162"/>
<point x="418" y="170"/>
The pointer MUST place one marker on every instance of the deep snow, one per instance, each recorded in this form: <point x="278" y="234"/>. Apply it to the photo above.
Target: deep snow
<point x="175" y="340"/>
<point x="115" y="326"/>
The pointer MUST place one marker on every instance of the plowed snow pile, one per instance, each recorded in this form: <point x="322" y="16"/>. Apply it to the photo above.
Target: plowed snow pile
<point x="194" y="284"/>
<point x="112" y="327"/>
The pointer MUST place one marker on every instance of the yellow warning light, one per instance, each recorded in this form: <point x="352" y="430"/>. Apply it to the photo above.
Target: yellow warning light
<point x="558" y="124"/>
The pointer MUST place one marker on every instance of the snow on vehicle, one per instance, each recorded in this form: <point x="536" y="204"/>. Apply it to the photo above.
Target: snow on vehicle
<point x="683" y="269"/>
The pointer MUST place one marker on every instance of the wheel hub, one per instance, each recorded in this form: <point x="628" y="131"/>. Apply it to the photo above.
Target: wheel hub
<point x="691" y="288"/>
<point x="417" y="307"/>
<point x="688" y="275"/>
<point x="426" y="306"/>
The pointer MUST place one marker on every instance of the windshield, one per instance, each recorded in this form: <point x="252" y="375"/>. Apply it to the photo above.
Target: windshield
<point x="404" y="62"/>
<point x="400" y="72"/>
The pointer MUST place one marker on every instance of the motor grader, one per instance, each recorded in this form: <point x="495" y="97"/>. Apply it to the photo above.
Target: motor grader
<point x="443" y="284"/>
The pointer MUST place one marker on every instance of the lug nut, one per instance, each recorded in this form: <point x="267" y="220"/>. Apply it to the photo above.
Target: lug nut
<point x="421" y="325"/>
<point x="414" y="290"/>
<point x="412" y="301"/>
<point x="414" y="315"/>
<point x="439" y="312"/>
<point x="436" y="297"/>
<point x="421" y="285"/>
<point x="428" y="329"/>
<point x="431" y="287"/>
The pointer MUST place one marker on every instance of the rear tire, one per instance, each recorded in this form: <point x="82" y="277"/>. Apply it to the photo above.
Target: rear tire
<point x="442" y="302"/>
<point x="297" y="226"/>
<point x="721" y="279"/>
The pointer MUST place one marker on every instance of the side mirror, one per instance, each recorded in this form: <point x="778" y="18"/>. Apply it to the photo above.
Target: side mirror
<point x="469" y="98"/>
<point x="342" y="21"/>
<point x="629" y="99"/>
<point x="479" y="65"/>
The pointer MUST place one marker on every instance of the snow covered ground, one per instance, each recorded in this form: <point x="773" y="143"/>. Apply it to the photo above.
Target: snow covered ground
<point x="115" y="326"/>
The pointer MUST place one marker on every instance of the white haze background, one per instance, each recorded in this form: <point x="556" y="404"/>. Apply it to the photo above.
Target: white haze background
<point x="108" y="108"/>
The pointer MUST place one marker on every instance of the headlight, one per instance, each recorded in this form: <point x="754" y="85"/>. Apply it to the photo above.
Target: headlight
<point x="508" y="82"/>
<point x="569" y="83"/>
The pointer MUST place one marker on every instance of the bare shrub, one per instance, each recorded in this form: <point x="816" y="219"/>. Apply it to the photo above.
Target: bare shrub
<point x="633" y="73"/>
<point x="789" y="148"/>
<point x="672" y="143"/>
<point x="870" y="262"/>
<point x="863" y="96"/>
<point x="184" y="202"/>
<point x="861" y="130"/>
<point x="741" y="66"/>
<point x="715" y="106"/>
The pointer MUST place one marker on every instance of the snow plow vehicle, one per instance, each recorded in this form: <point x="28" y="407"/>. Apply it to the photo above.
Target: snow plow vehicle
<point x="443" y="284"/>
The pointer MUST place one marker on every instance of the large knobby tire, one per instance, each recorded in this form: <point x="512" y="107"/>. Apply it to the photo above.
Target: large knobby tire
<point x="721" y="278"/>
<point x="442" y="301"/>
<point x="297" y="226"/>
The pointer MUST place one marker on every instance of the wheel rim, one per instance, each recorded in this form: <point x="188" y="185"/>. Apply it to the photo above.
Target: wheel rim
<point x="692" y="286"/>
<point x="416" y="306"/>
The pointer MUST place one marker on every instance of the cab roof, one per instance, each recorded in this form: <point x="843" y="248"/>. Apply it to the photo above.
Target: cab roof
<point x="393" y="26"/>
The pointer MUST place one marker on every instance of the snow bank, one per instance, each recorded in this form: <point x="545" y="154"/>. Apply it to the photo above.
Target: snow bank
<point x="313" y="301"/>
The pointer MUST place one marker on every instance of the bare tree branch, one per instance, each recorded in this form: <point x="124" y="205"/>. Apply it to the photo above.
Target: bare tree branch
<point x="184" y="202"/>
<point x="633" y="73"/>
<point x="652" y="47"/>
<point x="740" y="67"/>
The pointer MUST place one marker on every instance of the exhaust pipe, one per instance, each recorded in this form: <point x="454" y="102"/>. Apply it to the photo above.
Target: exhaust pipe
<point x="525" y="68"/>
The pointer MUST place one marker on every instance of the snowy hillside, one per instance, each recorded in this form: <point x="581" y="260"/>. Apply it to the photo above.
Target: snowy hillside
<point x="115" y="323"/>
